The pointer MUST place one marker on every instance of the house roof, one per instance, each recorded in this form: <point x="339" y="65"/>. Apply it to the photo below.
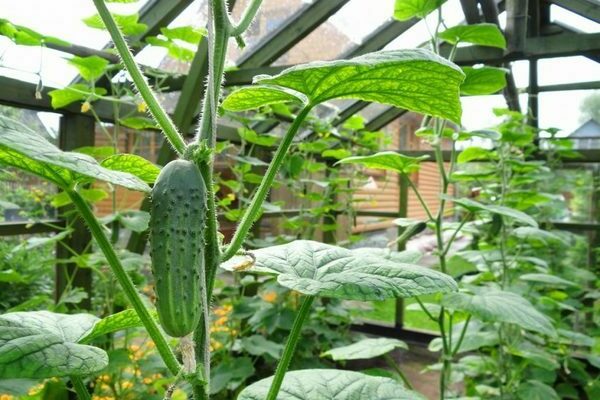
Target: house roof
<point x="588" y="130"/>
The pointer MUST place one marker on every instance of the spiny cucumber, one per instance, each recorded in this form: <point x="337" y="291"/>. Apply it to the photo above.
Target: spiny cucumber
<point x="177" y="223"/>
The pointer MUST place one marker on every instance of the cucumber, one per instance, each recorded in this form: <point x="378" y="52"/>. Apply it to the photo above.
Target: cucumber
<point x="177" y="221"/>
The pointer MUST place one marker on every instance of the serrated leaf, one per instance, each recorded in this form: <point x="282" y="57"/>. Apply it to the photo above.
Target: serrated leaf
<point x="138" y="123"/>
<point x="331" y="384"/>
<point x="485" y="34"/>
<point x="483" y="80"/>
<point x="251" y="97"/>
<point x="407" y="9"/>
<point x="416" y="80"/>
<point x="547" y="279"/>
<point x="474" y="207"/>
<point x="126" y="319"/>
<point x="76" y="92"/>
<point x="500" y="306"/>
<point x="387" y="160"/>
<point x="134" y="165"/>
<point x="129" y="24"/>
<point x="536" y="390"/>
<point x="22" y="148"/>
<point x="257" y="345"/>
<point x="406" y="256"/>
<point x="475" y="153"/>
<point x="365" y="349"/>
<point x="251" y="136"/>
<point x="314" y="268"/>
<point x="188" y="34"/>
<point x="90" y="68"/>
<point x="41" y="344"/>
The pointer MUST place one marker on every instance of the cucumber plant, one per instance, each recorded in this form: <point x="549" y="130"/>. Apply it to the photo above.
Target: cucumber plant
<point x="186" y="249"/>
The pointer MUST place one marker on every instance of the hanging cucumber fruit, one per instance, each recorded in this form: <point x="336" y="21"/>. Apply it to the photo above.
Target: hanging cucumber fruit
<point x="177" y="223"/>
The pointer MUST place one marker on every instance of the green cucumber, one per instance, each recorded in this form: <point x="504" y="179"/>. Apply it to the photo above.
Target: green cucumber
<point x="177" y="223"/>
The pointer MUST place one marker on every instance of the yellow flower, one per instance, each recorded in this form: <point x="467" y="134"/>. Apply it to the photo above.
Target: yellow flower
<point x="147" y="381"/>
<point x="6" y="397"/>
<point x="127" y="385"/>
<point x="142" y="107"/>
<point x="85" y="106"/>
<point x="269" y="297"/>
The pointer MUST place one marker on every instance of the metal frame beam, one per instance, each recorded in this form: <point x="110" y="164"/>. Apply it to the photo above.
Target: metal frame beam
<point x="384" y="118"/>
<point x="583" y="8"/>
<point x="471" y="11"/>
<point x="291" y="31"/>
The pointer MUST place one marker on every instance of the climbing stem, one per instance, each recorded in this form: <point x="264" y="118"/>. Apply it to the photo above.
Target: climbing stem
<point x="253" y="210"/>
<point x="394" y="365"/>
<point x="125" y="281"/>
<point x="420" y="198"/>
<point x="159" y="114"/>
<point x="80" y="388"/>
<point x="462" y="336"/>
<point x="246" y="18"/>
<point x="290" y="347"/>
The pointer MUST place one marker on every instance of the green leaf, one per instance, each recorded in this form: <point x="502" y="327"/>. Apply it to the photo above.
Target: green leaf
<point x="407" y="9"/>
<point x="482" y="133"/>
<point x="175" y="50"/>
<point x="230" y="375"/>
<point x="314" y="268"/>
<point x="475" y="154"/>
<point x="126" y="319"/>
<point x="41" y="344"/>
<point x="251" y="136"/>
<point x="188" y="34"/>
<point x="138" y="123"/>
<point x="485" y="34"/>
<point x="92" y="196"/>
<point x="500" y="306"/>
<point x="257" y="345"/>
<point x="365" y="349"/>
<point x="22" y="148"/>
<point x="388" y="160"/>
<point x="322" y="384"/>
<point x="474" y="207"/>
<point x="483" y="80"/>
<point x="536" y="390"/>
<point x="129" y="24"/>
<point x="547" y="279"/>
<point x="22" y="35"/>
<point x="251" y="97"/>
<point x="416" y="80"/>
<point x="90" y="68"/>
<point x="338" y="154"/>
<point x="538" y="235"/>
<point x="77" y="92"/>
<point x="407" y="256"/>
<point x="134" y="165"/>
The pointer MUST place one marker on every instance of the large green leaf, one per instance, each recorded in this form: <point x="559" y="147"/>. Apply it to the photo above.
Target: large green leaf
<point x="407" y="9"/>
<point x="406" y="256"/>
<point x="314" y="268"/>
<point x="41" y="344"/>
<point x="483" y="80"/>
<point x="134" y="165"/>
<point x="547" y="279"/>
<point x="536" y="390"/>
<point x="388" y="160"/>
<point x="257" y="345"/>
<point x="250" y="97"/>
<point x="482" y="34"/>
<point x="417" y="80"/>
<point x="474" y="207"/>
<point x="90" y="68"/>
<point x="366" y="348"/>
<point x="22" y="148"/>
<point x="500" y="306"/>
<point x="331" y="384"/>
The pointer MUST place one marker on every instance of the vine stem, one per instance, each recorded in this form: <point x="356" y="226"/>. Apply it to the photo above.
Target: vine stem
<point x="252" y="211"/>
<point x="392" y="363"/>
<point x="290" y="347"/>
<point x="246" y="18"/>
<point x="159" y="114"/>
<point x="80" y="388"/>
<point x="125" y="281"/>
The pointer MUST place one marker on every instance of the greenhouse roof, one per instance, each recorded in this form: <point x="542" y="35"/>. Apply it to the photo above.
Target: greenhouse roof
<point x="558" y="50"/>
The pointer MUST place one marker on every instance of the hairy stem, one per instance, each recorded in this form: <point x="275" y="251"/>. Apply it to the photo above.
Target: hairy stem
<point x="253" y="210"/>
<point x="80" y="388"/>
<point x="246" y="18"/>
<point x="394" y="365"/>
<point x="126" y="283"/>
<point x="290" y="347"/>
<point x="159" y="114"/>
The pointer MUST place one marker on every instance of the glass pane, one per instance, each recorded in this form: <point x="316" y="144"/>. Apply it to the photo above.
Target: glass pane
<point x="563" y="110"/>
<point x="343" y="30"/>
<point x="567" y="70"/>
<point x="271" y="15"/>
<point x="563" y="17"/>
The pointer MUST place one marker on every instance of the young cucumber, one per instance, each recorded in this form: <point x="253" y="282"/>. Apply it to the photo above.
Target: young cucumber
<point x="177" y="245"/>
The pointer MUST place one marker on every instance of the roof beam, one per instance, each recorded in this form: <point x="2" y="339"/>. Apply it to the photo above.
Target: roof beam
<point x="471" y="11"/>
<point x="291" y="31"/>
<point x="158" y="14"/>
<point x="584" y="8"/>
<point x="380" y="37"/>
<point x="384" y="118"/>
<point x="516" y="25"/>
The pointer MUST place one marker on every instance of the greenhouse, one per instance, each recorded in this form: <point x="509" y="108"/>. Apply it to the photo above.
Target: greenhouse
<point x="299" y="199"/>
